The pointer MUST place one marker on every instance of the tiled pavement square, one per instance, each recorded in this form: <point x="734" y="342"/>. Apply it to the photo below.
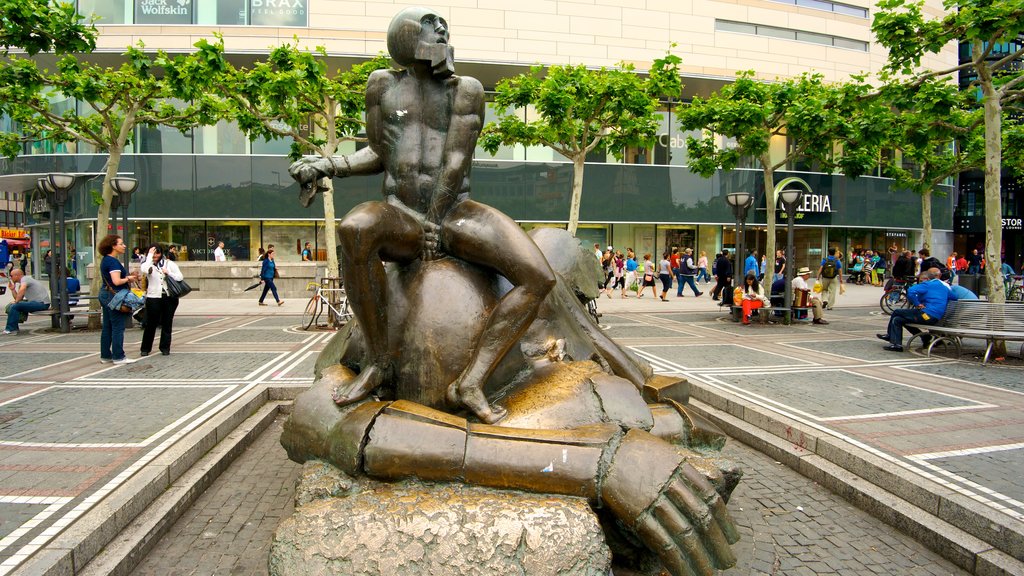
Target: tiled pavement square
<point x="12" y="363"/>
<point x="857" y="350"/>
<point x="998" y="376"/>
<point x="98" y="415"/>
<point x="275" y="321"/>
<point x="50" y="339"/>
<point x="12" y="516"/>
<point x="697" y="356"/>
<point x="643" y="331"/>
<point x="303" y="369"/>
<point x="999" y="470"/>
<point x="837" y="393"/>
<point x="256" y="335"/>
<point x="187" y="366"/>
<point x="9" y="391"/>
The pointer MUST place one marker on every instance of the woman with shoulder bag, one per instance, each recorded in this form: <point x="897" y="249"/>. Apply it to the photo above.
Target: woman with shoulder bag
<point x="267" y="274"/>
<point x="115" y="279"/>
<point x="160" y="306"/>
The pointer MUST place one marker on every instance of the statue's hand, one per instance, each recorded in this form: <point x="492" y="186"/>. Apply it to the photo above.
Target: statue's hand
<point x="308" y="171"/>
<point x="431" y="240"/>
<point x="671" y="507"/>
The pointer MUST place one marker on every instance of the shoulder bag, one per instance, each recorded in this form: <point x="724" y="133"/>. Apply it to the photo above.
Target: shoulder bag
<point x="176" y="288"/>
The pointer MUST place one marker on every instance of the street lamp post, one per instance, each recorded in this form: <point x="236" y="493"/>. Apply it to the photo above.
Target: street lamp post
<point x="790" y="198"/>
<point x="43" y="185"/>
<point x="60" y="184"/>
<point x="124" y="188"/>
<point x="740" y="203"/>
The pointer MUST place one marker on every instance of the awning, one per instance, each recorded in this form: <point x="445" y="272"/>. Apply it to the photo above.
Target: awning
<point x="19" y="242"/>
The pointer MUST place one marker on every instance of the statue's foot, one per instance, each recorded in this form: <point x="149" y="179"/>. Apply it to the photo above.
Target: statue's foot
<point x="472" y="397"/>
<point x="359" y="387"/>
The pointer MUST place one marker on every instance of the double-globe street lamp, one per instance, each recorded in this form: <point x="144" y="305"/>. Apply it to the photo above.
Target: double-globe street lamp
<point x="740" y="203"/>
<point x="56" y="186"/>
<point x="124" y="187"/>
<point x="790" y="198"/>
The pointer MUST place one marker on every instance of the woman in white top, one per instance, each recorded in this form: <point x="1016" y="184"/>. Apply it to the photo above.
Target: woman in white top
<point x="159" y="306"/>
<point x="753" y="297"/>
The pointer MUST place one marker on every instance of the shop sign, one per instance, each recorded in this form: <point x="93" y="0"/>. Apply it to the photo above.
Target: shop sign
<point x="815" y="203"/>
<point x="163" y="11"/>
<point x="278" y="12"/>
<point x="1012" y="223"/>
<point x="13" y="234"/>
<point x="677" y="141"/>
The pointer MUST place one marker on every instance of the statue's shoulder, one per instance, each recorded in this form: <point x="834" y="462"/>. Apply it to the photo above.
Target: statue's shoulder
<point x="468" y="85"/>
<point x="380" y="80"/>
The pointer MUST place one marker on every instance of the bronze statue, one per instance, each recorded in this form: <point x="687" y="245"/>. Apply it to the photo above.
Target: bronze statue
<point x="436" y="330"/>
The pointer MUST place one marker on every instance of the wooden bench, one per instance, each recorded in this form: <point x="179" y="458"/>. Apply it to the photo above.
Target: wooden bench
<point x="978" y="319"/>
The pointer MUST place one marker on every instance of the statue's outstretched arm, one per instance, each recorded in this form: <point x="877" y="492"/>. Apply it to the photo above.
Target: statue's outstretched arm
<point x="646" y="482"/>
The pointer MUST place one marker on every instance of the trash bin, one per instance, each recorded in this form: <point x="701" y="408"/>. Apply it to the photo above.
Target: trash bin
<point x="973" y="282"/>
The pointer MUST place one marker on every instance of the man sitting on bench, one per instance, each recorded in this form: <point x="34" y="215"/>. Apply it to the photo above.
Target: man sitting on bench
<point x="800" y="288"/>
<point x="29" y="296"/>
<point x="929" y="298"/>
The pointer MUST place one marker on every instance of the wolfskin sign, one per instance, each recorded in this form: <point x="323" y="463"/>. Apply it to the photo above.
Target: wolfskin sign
<point x="163" y="11"/>
<point x="278" y="12"/>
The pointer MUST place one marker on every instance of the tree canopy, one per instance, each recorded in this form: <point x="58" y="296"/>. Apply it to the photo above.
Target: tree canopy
<point x="581" y="110"/>
<point x="292" y="94"/>
<point x="43" y="26"/>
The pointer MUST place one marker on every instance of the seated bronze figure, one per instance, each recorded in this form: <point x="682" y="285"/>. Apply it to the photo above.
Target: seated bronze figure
<point x="471" y="358"/>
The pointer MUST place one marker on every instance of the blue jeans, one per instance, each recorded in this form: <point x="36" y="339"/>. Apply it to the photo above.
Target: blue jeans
<point x="689" y="280"/>
<point x="679" y="282"/>
<point x="268" y="284"/>
<point x="112" y="336"/>
<point x="973" y="269"/>
<point x="906" y="316"/>
<point x="14" y="316"/>
<point x="703" y="273"/>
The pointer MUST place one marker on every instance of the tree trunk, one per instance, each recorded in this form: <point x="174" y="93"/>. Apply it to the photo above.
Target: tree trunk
<point x="926" y="218"/>
<point x="102" y="222"/>
<point x="577" y="193"/>
<point x="993" y="201"/>
<point x="330" y="230"/>
<point x="769" y="202"/>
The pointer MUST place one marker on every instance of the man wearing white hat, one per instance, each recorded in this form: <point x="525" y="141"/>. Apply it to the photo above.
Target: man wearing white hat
<point x="800" y="283"/>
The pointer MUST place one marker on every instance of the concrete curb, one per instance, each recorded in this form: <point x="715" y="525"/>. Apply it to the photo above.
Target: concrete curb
<point x="949" y="523"/>
<point x="121" y="556"/>
<point x="73" y="549"/>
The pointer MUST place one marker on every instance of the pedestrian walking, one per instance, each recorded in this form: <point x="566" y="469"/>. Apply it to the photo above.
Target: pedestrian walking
<point x="267" y="274"/>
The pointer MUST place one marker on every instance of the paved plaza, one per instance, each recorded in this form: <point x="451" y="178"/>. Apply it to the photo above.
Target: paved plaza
<point x="78" y="437"/>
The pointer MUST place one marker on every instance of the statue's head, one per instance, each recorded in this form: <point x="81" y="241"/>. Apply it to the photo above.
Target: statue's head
<point x="419" y="35"/>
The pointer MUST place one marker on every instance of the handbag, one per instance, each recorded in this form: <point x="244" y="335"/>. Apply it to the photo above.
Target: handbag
<point x="177" y="288"/>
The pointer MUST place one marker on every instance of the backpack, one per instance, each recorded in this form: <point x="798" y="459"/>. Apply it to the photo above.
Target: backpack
<point x="829" y="268"/>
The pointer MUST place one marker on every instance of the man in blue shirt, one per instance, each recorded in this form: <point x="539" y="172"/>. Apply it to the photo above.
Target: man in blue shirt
<point x="830" y="273"/>
<point x="750" y="264"/>
<point x="929" y="298"/>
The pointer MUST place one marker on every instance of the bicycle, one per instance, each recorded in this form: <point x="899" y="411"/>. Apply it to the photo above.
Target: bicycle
<point x="320" y="301"/>
<point x="1015" y="288"/>
<point x="894" y="296"/>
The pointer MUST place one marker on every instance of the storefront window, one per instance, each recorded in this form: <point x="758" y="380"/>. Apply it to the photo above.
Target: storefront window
<point x="109" y="11"/>
<point x="222" y="138"/>
<point x="677" y="237"/>
<point x="288" y="237"/>
<point x="235" y="236"/>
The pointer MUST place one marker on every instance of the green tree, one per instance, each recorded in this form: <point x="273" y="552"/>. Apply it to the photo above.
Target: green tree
<point x="581" y="111"/>
<point x="292" y="95"/>
<point x="938" y="132"/>
<point x="817" y="118"/>
<point x="117" y="100"/>
<point x="992" y="31"/>
<point x="41" y="26"/>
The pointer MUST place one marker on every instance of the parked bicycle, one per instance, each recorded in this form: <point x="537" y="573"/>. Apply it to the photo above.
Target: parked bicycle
<point x="1015" y="288"/>
<point x="894" y="296"/>
<point x="332" y="300"/>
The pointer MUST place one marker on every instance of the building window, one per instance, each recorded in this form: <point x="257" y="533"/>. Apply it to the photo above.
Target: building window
<point x="789" y="34"/>
<point x="827" y="6"/>
<point x="109" y="11"/>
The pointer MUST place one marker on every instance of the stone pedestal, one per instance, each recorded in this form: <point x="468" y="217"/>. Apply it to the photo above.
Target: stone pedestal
<point x="347" y="526"/>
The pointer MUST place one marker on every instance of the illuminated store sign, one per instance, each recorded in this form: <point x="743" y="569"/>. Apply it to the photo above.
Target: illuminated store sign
<point x="163" y="11"/>
<point x="278" y="12"/>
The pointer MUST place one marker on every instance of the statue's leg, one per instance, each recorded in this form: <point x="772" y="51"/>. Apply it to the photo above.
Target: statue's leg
<point x="370" y="234"/>
<point x="480" y="234"/>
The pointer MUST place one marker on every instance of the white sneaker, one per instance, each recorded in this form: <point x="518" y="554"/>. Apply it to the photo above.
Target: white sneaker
<point x="125" y="360"/>
<point x="14" y="332"/>
<point x="105" y="360"/>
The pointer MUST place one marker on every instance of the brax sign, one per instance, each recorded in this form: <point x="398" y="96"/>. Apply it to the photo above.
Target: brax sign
<point x="278" y="12"/>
